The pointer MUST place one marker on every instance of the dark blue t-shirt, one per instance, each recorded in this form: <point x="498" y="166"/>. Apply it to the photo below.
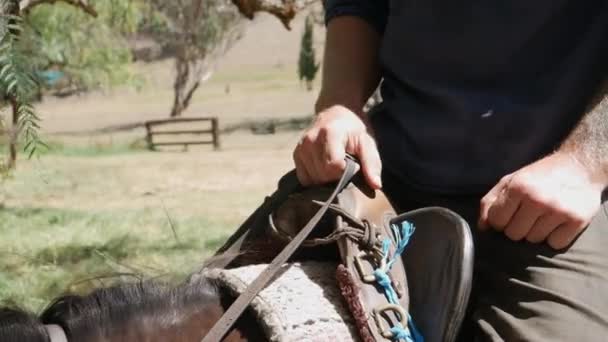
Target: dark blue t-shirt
<point x="474" y="90"/>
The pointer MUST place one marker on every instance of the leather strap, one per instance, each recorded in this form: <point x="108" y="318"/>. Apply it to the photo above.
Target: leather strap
<point x="226" y="322"/>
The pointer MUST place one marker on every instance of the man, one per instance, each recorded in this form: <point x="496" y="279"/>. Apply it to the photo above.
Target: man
<point x="490" y="109"/>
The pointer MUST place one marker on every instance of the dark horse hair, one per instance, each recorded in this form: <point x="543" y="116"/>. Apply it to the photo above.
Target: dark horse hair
<point x="142" y="311"/>
<point x="137" y="307"/>
<point x="18" y="326"/>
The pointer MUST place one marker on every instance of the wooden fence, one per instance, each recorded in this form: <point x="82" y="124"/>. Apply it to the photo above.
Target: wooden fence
<point x="152" y="131"/>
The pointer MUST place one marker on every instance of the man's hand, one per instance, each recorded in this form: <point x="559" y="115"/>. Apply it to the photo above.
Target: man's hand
<point x="319" y="156"/>
<point x="551" y="200"/>
<point x="351" y="73"/>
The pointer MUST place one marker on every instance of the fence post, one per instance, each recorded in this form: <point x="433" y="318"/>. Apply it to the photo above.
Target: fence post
<point x="149" y="137"/>
<point x="216" y="133"/>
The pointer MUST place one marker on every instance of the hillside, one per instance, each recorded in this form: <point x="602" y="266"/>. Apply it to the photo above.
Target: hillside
<point x="257" y="78"/>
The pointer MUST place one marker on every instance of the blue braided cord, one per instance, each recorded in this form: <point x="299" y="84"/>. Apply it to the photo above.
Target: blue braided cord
<point x="400" y="333"/>
<point x="386" y="245"/>
<point x="415" y="332"/>
<point x="383" y="280"/>
<point x="407" y="230"/>
<point x="381" y="275"/>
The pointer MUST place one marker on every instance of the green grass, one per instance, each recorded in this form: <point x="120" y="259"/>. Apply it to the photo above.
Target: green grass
<point x="46" y="252"/>
<point x="93" y="149"/>
<point x="254" y="75"/>
<point x="88" y="149"/>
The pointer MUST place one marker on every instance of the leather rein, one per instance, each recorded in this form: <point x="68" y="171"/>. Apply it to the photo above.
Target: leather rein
<point x="221" y="327"/>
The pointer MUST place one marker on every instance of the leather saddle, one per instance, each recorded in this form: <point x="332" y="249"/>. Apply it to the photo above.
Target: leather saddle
<point x="429" y="279"/>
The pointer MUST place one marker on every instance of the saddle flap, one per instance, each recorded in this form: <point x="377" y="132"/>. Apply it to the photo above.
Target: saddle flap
<point x="362" y="259"/>
<point x="358" y="225"/>
<point x="439" y="264"/>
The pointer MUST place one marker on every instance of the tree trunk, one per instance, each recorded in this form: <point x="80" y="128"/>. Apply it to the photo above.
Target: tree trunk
<point x="184" y="86"/>
<point x="189" y="95"/>
<point x="309" y="85"/>
<point x="13" y="135"/>
<point x="182" y="71"/>
<point x="178" y="108"/>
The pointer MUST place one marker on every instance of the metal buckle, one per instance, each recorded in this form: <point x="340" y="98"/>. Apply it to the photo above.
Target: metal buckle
<point x="358" y="260"/>
<point x="385" y="329"/>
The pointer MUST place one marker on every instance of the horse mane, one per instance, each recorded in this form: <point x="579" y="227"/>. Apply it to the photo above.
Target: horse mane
<point x="17" y="326"/>
<point x="141" y="306"/>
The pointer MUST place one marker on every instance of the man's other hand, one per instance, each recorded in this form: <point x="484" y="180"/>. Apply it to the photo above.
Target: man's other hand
<point x="320" y="155"/>
<point x="551" y="200"/>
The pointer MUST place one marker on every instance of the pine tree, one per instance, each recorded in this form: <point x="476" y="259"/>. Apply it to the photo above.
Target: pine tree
<point x="307" y="65"/>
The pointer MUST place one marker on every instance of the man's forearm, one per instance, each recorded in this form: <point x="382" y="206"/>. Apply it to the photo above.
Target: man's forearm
<point x="351" y="70"/>
<point x="588" y="142"/>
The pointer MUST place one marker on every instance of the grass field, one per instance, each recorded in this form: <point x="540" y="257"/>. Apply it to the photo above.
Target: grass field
<point x="98" y="208"/>
<point x="79" y="213"/>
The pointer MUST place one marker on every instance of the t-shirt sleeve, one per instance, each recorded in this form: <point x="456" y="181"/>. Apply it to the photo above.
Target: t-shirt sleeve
<point x="374" y="12"/>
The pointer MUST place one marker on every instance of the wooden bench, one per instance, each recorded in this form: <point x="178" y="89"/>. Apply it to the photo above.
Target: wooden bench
<point x="153" y="130"/>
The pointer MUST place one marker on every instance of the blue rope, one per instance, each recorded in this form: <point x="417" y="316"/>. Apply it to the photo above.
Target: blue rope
<point x="399" y="333"/>
<point x="410" y="333"/>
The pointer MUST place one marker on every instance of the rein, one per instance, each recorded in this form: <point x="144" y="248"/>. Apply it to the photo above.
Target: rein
<point x="237" y="308"/>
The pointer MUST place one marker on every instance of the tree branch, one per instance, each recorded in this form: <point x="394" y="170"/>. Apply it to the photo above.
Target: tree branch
<point x="284" y="10"/>
<point x="27" y="5"/>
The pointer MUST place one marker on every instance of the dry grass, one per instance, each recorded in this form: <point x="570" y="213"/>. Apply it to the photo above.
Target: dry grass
<point x="99" y="204"/>
<point x="72" y="216"/>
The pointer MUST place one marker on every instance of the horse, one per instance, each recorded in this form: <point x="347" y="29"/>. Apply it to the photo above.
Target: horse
<point x="146" y="311"/>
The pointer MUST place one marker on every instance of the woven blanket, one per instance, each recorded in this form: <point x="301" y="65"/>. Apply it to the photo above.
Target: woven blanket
<point x="303" y="304"/>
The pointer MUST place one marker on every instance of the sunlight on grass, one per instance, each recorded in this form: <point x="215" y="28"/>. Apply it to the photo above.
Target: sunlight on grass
<point x="95" y="210"/>
<point x="93" y="148"/>
<point x="254" y="75"/>
<point x="88" y="149"/>
<point x="45" y="249"/>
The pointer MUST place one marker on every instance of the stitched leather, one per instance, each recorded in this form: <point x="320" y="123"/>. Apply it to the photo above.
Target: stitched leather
<point x="377" y="211"/>
<point x="222" y="326"/>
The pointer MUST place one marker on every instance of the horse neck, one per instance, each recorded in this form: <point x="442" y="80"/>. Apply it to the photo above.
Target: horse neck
<point x="245" y="329"/>
<point x="187" y="326"/>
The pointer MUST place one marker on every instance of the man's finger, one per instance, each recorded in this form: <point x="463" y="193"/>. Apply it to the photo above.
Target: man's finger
<point x="334" y="156"/>
<point x="563" y="235"/>
<point x="310" y="156"/>
<point x="370" y="161"/>
<point x="316" y="165"/>
<point x="304" y="156"/>
<point x="301" y="171"/>
<point x="545" y="224"/>
<point x="488" y="200"/>
<point x="503" y="208"/>
<point x="523" y="220"/>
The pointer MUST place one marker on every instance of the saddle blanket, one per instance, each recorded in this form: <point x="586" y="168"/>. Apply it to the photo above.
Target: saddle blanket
<point x="303" y="304"/>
